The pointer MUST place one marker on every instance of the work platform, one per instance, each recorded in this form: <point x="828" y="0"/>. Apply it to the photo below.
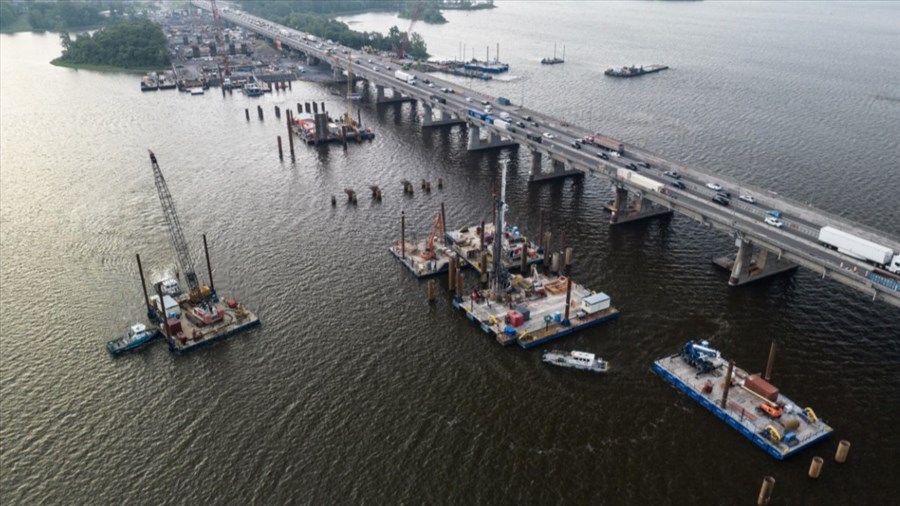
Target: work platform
<point x="543" y="310"/>
<point x="187" y="331"/>
<point x="467" y="243"/>
<point x="412" y="258"/>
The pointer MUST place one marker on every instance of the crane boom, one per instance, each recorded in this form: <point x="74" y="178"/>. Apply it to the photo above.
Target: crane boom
<point x="185" y="261"/>
<point x="219" y="40"/>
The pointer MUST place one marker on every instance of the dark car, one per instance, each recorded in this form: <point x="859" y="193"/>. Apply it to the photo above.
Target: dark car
<point x="679" y="185"/>
<point x="645" y="165"/>
<point x="719" y="199"/>
<point x="603" y="155"/>
<point x="520" y="124"/>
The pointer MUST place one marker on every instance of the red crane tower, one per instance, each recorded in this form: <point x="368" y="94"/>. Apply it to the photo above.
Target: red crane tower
<point x="401" y="51"/>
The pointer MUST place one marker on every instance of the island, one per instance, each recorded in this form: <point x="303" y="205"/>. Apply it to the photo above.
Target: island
<point x="138" y="45"/>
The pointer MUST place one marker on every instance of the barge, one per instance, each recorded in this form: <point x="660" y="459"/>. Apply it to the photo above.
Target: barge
<point x="633" y="71"/>
<point x="428" y="257"/>
<point x="747" y="402"/>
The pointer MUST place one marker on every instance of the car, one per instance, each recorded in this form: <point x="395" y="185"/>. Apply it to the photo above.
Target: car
<point x="468" y="99"/>
<point x="535" y="124"/>
<point x="511" y="130"/>
<point x="370" y="60"/>
<point x="614" y="154"/>
<point x="632" y="167"/>
<point x="672" y="174"/>
<point x="679" y="185"/>
<point x="527" y="118"/>
<point x="645" y="165"/>
<point x="718" y="199"/>
<point x="426" y="81"/>
<point x="485" y="102"/>
<point x="520" y="124"/>
<point x="603" y="155"/>
<point x="387" y="67"/>
<point x="714" y="186"/>
<point x="548" y="135"/>
<point x="576" y="144"/>
<point x="775" y="222"/>
<point x="748" y="199"/>
<point x="724" y="195"/>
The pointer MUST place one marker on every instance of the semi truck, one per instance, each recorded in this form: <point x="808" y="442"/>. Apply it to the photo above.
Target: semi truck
<point x="499" y="123"/>
<point x="640" y="181"/>
<point x="406" y="78"/>
<point x="859" y="248"/>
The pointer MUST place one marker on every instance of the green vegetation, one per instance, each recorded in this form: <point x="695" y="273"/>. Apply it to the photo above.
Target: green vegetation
<point x="429" y="12"/>
<point x="289" y="13"/>
<point x="58" y="16"/>
<point x="129" y="45"/>
<point x="8" y="14"/>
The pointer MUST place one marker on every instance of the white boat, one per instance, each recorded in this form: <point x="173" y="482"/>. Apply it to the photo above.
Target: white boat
<point x="197" y="90"/>
<point x="575" y="360"/>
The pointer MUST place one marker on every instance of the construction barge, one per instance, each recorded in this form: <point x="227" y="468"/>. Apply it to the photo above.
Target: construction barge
<point x="319" y="128"/>
<point x="527" y="309"/>
<point x="748" y="403"/>
<point x="195" y="318"/>
<point x="428" y="257"/>
<point x="474" y="245"/>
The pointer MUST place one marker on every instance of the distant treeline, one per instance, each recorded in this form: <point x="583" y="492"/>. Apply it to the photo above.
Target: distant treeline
<point x="125" y="44"/>
<point x="292" y="14"/>
<point x="63" y="14"/>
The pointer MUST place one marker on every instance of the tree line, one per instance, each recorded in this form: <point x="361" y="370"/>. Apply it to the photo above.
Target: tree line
<point x="126" y="44"/>
<point x="291" y="13"/>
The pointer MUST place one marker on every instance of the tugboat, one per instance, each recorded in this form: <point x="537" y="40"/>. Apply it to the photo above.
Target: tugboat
<point x="555" y="60"/>
<point x="252" y="88"/>
<point x="137" y="336"/>
<point x="575" y="360"/>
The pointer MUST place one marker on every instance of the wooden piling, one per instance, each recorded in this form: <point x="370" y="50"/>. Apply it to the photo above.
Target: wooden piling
<point x="554" y="262"/>
<point x="568" y="297"/>
<point x="431" y="284"/>
<point x="333" y="201"/>
<point x="451" y="274"/>
<point x="765" y="491"/>
<point x="280" y="152"/>
<point x="541" y="229"/>
<point x="843" y="449"/>
<point x="815" y="467"/>
<point x="290" y="120"/>
<point x="726" y="384"/>
<point x="299" y="108"/>
<point x="568" y="258"/>
<point x="440" y="183"/>
<point x="247" y="113"/>
<point x="771" y="361"/>
<point x="459" y="283"/>
<point x="482" y="236"/>
<point x="277" y="112"/>
<point x="259" y="111"/>
<point x="443" y="223"/>
<point x="403" y="234"/>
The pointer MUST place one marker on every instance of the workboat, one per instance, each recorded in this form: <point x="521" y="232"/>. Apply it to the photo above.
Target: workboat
<point x="633" y="71"/>
<point x="575" y="360"/>
<point x="137" y="336"/>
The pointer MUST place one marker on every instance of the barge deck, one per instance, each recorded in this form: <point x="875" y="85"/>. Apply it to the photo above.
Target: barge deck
<point x="795" y="429"/>
<point x="467" y="243"/>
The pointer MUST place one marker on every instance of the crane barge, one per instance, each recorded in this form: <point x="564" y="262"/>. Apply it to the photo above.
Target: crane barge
<point x="426" y="258"/>
<point x="189" y="320"/>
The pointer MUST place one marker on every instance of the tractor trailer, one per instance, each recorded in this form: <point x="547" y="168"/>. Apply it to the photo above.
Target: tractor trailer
<point x="403" y="76"/>
<point x="860" y="248"/>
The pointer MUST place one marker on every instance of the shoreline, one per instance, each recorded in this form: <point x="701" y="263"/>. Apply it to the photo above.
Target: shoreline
<point x="106" y="68"/>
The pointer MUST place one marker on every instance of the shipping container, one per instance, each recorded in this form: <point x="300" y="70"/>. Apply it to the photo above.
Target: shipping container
<point x="608" y="143"/>
<point x="761" y="387"/>
<point x="855" y="247"/>
<point x="640" y="181"/>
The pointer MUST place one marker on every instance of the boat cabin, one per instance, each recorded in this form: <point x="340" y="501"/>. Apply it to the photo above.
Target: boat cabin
<point x="594" y="303"/>
<point x="581" y="356"/>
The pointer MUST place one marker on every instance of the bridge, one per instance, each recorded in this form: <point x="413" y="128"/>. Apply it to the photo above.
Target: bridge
<point x="645" y="182"/>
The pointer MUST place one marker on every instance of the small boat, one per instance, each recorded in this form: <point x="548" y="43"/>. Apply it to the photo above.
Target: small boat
<point x="196" y="90"/>
<point x="252" y="88"/>
<point x="575" y="360"/>
<point x="137" y="336"/>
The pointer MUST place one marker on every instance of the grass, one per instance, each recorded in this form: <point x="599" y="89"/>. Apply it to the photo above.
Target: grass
<point x="104" y="68"/>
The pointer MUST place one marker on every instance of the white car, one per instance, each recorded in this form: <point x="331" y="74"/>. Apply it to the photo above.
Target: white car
<point x="469" y="99"/>
<point x="748" y="199"/>
<point x="775" y="222"/>
<point x="548" y="135"/>
<point x="614" y="154"/>
<point x="714" y="186"/>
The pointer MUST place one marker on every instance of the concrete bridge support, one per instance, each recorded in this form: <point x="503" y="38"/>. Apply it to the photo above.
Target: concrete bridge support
<point x="558" y="169"/>
<point x="625" y="210"/>
<point x="494" y="140"/>
<point x="337" y="75"/>
<point x="444" y="118"/>
<point x="750" y="265"/>
<point x="395" y="97"/>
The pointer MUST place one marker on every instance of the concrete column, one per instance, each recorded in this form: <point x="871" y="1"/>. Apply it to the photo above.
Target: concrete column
<point x="445" y="116"/>
<point x="336" y="75"/>
<point x="536" y="163"/>
<point x="559" y="166"/>
<point x="741" y="269"/>
<point x="474" y="136"/>
<point x="427" y="117"/>
<point x="621" y="202"/>
<point x="495" y="137"/>
<point x="379" y="93"/>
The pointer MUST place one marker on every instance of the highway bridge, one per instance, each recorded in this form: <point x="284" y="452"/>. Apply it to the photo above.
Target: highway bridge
<point x="763" y="249"/>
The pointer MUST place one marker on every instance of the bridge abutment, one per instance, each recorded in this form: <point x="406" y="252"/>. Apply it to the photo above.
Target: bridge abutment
<point x="444" y="118"/>
<point x="558" y="169"/>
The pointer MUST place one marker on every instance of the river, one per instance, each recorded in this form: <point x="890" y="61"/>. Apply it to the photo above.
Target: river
<point x="355" y="389"/>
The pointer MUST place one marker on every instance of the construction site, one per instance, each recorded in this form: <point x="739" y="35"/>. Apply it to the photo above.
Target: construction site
<point x="428" y="257"/>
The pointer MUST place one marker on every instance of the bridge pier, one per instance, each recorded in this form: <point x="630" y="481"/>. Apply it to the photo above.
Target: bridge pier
<point x="494" y="140"/>
<point x="558" y="169"/>
<point x="337" y="75"/>
<point x="395" y="97"/>
<point x="444" y="118"/>
<point x="624" y="210"/>
<point x="747" y="267"/>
